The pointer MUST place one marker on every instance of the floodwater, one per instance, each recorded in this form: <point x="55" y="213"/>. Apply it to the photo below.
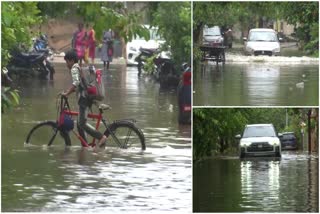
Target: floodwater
<point x="77" y="180"/>
<point x="250" y="83"/>
<point x="290" y="184"/>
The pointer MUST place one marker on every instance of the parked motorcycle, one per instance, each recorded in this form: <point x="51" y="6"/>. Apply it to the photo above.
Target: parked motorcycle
<point x="30" y="64"/>
<point x="164" y="70"/>
<point x="141" y="59"/>
<point x="184" y="96"/>
<point x="40" y="45"/>
<point x="168" y="76"/>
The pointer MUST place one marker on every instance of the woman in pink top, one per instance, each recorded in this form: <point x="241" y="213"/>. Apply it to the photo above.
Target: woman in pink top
<point x="80" y="42"/>
<point x="91" y="43"/>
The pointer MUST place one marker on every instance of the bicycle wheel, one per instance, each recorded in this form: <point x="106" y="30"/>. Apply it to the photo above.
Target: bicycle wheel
<point x="125" y="134"/>
<point x="45" y="133"/>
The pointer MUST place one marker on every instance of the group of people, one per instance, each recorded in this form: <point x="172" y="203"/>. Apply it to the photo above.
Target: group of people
<point x="84" y="42"/>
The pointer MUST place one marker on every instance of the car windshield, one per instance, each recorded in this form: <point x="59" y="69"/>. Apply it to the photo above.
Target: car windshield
<point x="288" y="137"/>
<point x="213" y="31"/>
<point x="263" y="36"/>
<point x="259" y="131"/>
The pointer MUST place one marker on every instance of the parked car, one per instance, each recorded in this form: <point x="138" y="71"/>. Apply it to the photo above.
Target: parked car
<point x="133" y="47"/>
<point x="289" y="141"/>
<point x="212" y="36"/>
<point x="259" y="140"/>
<point x="262" y="41"/>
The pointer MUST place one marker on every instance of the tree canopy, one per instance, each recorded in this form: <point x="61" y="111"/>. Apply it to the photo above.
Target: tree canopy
<point x="174" y="22"/>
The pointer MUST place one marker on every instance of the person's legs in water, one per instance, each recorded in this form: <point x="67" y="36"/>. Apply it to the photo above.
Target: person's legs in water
<point x="82" y="122"/>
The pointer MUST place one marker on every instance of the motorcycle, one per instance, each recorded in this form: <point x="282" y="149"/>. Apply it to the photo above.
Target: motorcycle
<point x="40" y="45"/>
<point x="166" y="73"/>
<point x="141" y="59"/>
<point x="30" y="64"/>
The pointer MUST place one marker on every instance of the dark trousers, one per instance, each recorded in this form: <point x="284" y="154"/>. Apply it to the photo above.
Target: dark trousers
<point x="82" y="124"/>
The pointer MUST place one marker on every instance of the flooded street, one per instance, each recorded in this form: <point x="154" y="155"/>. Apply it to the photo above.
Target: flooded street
<point x="257" y="185"/>
<point x="77" y="180"/>
<point x="250" y="83"/>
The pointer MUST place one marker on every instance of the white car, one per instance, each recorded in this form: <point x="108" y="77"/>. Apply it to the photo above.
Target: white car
<point x="262" y="41"/>
<point x="133" y="47"/>
<point x="259" y="140"/>
<point x="212" y="36"/>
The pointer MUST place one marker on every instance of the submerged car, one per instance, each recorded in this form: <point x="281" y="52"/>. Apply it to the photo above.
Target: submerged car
<point x="259" y="140"/>
<point x="262" y="41"/>
<point x="212" y="36"/>
<point x="289" y="141"/>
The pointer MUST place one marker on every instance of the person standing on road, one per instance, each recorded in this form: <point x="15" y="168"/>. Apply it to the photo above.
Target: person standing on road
<point x="91" y="42"/>
<point x="79" y="42"/>
<point x="107" y="49"/>
<point x="79" y="85"/>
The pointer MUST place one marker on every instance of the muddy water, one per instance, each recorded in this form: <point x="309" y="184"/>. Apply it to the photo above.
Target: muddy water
<point x="257" y="185"/>
<point x="74" y="179"/>
<point x="256" y="84"/>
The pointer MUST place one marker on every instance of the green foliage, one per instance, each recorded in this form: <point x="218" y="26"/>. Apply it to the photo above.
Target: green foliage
<point x="149" y="65"/>
<point x="305" y="16"/>
<point x="173" y="21"/>
<point x="17" y="18"/>
<point x="210" y="126"/>
<point x="9" y="97"/>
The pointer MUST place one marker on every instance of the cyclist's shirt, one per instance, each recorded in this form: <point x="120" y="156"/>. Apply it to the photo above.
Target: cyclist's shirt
<point x="76" y="80"/>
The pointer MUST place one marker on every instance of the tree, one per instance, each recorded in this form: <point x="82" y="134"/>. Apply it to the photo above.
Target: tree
<point x="305" y="17"/>
<point x="174" y="22"/>
<point x="17" y="18"/>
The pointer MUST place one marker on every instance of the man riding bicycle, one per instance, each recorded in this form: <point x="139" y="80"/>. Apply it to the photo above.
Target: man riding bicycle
<point x="79" y="85"/>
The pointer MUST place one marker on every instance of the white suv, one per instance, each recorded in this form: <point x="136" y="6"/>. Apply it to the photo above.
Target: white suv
<point x="259" y="140"/>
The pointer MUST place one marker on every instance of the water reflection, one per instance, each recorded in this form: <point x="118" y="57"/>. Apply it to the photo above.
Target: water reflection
<point x="260" y="185"/>
<point x="263" y="83"/>
<point x="256" y="84"/>
<point x="257" y="184"/>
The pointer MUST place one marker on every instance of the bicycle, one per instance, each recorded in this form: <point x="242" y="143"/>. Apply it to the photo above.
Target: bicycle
<point x="124" y="133"/>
